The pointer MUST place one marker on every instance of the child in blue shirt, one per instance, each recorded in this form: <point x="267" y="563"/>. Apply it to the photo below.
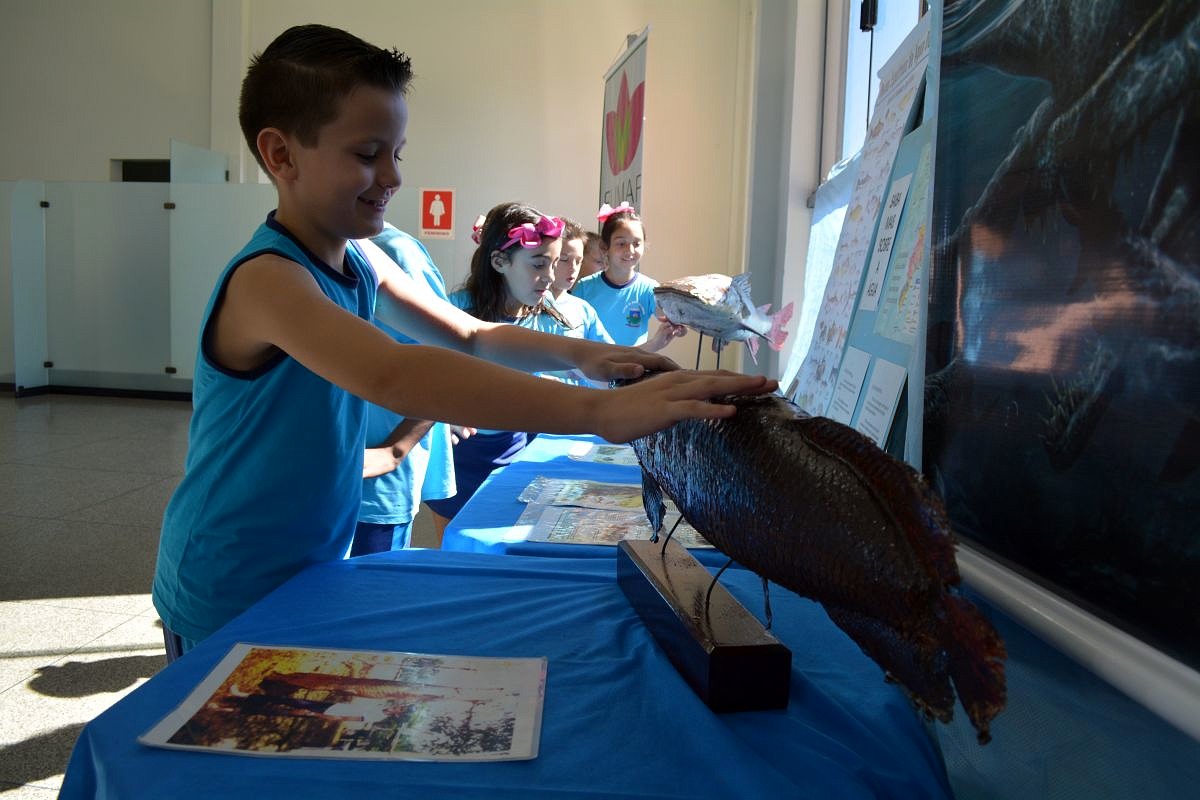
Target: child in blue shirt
<point x="289" y="356"/>
<point x="582" y="321"/>
<point x="407" y="461"/>
<point x="622" y="296"/>
<point x="512" y="270"/>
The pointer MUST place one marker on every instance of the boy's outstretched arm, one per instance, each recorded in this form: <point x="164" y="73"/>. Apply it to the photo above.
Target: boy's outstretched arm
<point x="431" y="321"/>
<point x="273" y="304"/>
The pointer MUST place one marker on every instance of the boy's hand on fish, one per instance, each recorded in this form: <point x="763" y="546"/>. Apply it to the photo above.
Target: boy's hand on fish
<point x="614" y="362"/>
<point x="660" y="401"/>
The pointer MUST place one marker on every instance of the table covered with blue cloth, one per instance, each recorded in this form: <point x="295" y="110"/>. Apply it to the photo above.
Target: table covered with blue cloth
<point x="485" y="523"/>
<point x="618" y="720"/>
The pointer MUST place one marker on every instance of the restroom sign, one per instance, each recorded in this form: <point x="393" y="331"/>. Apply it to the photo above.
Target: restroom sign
<point x="437" y="213"/>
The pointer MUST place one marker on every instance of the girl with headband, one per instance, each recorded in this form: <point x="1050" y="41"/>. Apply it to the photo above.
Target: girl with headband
<point x="621" y="294"/>
<point x="511" y="273"/>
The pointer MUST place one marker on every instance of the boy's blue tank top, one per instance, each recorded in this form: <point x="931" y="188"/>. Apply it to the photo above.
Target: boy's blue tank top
<point x="274" y="465"/>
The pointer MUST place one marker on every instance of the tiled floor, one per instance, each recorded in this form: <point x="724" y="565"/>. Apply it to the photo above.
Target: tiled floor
<point x="83" y="484"/>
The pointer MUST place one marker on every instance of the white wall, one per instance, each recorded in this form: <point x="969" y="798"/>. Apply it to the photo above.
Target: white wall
<point x="82" y="83"/>
<point x="506" y="103"/>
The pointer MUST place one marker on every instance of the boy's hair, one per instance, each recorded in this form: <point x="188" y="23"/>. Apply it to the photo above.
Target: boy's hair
<point x="610" y="224"/>
<point x="485" y="286"/>
<point x="572" y="230"/>
<point x="296" y="84"/>
<point x="590" y="237"/>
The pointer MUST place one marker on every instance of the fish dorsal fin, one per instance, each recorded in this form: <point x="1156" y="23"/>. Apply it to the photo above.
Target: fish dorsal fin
<point x="898" y="488"/>
<point x="739" y="287"/>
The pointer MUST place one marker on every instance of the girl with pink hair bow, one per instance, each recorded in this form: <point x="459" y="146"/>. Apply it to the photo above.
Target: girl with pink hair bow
<point x="622" y="295"/>
<point x="511" y="274"/>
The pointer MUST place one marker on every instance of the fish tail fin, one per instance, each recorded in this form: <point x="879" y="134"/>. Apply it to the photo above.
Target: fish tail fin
<point x="976" y="655"/>
<point x="778" y="335"/>
<point x="652" y="501"/>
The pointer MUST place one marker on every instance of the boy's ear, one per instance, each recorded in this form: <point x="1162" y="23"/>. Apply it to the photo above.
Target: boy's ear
<point x="276" y="151"/>
<point x="499" y="261"/>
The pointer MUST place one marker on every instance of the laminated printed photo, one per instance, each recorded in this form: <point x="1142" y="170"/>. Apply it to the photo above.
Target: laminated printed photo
<point x="582" y="493"/>
<point x="621" y="454"/>
<point x="290" y="701"/>
<point x="572" y="525"/>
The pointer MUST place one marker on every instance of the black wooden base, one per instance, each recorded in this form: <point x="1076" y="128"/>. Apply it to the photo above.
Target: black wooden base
<point x="721" y="650"/>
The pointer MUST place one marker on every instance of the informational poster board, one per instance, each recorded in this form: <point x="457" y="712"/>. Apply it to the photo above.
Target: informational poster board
<point x="621" y="135"/>
<point x="829" y="213"/>
<point x="883" y="333"/>
<point x="900" y="81"/>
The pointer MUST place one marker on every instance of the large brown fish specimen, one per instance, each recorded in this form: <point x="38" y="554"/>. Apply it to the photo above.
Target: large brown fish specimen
<point x="816" y="507"/>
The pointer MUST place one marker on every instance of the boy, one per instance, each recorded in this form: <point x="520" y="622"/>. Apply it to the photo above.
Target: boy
<point x="288" y="352"/>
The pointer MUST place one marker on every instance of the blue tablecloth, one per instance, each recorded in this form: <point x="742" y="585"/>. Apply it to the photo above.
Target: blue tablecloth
<point x="618" y="719"/>
<point x="485" y="523"/>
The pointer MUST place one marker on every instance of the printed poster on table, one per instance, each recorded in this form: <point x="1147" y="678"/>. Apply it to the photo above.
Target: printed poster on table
<point x="621" y="454"/>
<point x="621" y="132"/>
<point x="575" y="525"/>
<point x="900" y="80"/>
<point x="583" y="493"/>
<point x="350" y="704"/>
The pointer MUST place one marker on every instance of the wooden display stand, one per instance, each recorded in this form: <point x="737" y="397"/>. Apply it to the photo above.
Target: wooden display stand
<point x="719" y="647"/>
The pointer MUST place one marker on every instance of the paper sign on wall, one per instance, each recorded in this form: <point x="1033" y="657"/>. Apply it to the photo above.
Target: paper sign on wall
<point x="879" y="405"/>
<point x="849" y="385"/>
<point x="437" y="214"/>
<point x="884" y="240"/>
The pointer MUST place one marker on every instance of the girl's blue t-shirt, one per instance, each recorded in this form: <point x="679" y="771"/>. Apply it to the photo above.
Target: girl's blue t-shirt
<point x="626" y="310"/>
<point x="274" y="467"/>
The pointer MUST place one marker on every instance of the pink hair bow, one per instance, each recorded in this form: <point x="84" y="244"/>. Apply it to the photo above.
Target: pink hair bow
<point x="530" y="234"/>
<point x="477" y="228"/>
<point x="607" y="211"/>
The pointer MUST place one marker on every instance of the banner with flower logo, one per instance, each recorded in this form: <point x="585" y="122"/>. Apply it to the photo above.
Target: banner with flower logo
<point x="624" y="112"/>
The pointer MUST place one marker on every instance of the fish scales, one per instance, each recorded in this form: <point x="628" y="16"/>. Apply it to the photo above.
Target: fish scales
<point x="817" y="508"/>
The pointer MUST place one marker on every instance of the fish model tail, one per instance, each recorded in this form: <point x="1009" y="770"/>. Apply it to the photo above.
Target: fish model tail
<point x="954" y="642"/>
<point x="778" y="335"/>
<point x="976" y="663"/>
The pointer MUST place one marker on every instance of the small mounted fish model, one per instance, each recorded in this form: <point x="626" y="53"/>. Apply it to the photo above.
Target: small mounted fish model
<point x="816" y="507"/>
<point x="720" y="307"/>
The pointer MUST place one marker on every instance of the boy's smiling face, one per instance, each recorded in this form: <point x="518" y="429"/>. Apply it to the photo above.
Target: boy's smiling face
<point x="339" y="188"/>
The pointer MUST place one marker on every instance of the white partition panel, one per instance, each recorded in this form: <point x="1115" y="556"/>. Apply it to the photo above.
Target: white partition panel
<point x="209" y="224"/>
<point x="191" y="164"/>
<point x="27" y="264"/>
<point x="107" y="277"/>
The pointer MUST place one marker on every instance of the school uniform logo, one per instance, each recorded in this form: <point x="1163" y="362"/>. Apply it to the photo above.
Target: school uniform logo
<point x="634" y="314"/>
